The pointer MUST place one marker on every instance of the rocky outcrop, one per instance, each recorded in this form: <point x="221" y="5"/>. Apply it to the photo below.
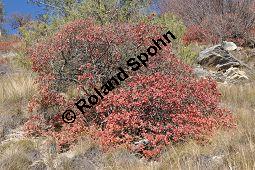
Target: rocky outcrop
<point x="219" y="63"/>
<point x="217" y="58"/>
<point x="232" y="75"/>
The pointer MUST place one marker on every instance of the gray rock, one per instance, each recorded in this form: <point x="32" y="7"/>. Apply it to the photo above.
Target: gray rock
<point x="142" y="142"/>
<point x="229" y="46"/>
<point x="126" y="160"/>
<point x="235" y="75"/>
<point x="227" y="65"/>
<point x="232" y="75"/>
<point x="34" y="155"/>
<point x="8" y="54"/>
<point x="94" y="155"/>
<point x="82" y="163"/>
<point x="219" y="76"/>
<point x="90" y="159"/>
<point x="217" y="58"/>
<point x="211" y="162"/>
<point x="220" y="64"/>
<point x="4" y="69"/>
<point x="38" y="165"/>
<point x="200" y="72"/>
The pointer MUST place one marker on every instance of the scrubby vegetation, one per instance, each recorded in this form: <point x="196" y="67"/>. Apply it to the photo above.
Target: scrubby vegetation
<point x="215" y="20"/>
<point x="169" y="98"/>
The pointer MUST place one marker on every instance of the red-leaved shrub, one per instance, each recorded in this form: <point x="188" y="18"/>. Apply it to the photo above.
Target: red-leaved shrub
<point x="84" y="54"/>
<point x="197" y="34"/>
<point x="162" y="104"/>
<point x="202" y="36"/>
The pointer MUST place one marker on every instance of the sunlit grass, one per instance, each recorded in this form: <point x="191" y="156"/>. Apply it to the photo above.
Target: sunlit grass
<point x="13" y="155"/>
<point x="14" y="88"/>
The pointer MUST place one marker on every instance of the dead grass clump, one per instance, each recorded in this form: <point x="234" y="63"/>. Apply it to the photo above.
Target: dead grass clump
<point x="17" y="87"/>
<point x="238" y="95"/>
<point x="15" y="155"/>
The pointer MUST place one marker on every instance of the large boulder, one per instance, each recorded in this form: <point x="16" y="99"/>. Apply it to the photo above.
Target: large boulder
<point x="217" y="58"/>
<point x="219" y="63"/>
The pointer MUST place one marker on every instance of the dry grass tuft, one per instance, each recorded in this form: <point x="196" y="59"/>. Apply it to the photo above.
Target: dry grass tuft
<point x="238" y="95"/>
<point x="15" y="155"/>
<point x="17" y="87"/>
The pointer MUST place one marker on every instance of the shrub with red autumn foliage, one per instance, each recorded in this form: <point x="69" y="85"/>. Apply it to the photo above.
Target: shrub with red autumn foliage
<point x="202" y="36"/>
<point x="162" y="104"/>
<point x="161" y="108"/>
<point x="82" y="55"/>
<point x="197" y="34"/>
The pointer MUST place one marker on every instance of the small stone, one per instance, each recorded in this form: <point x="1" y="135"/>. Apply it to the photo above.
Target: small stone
<point x="229" y="46"/>
<point x="4" y="69"/>
<point x="200" y="72"/>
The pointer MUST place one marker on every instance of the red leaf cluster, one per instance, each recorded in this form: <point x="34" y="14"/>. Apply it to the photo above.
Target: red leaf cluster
<point x="202" y="36"/>
<point x="197" y="34"/>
